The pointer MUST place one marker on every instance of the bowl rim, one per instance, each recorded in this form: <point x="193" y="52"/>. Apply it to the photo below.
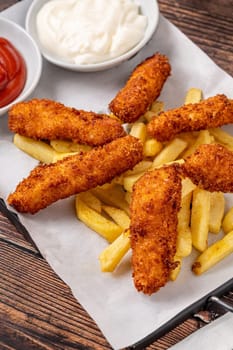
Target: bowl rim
<point x="37" y="74"/>
<point x="94" y="67"/>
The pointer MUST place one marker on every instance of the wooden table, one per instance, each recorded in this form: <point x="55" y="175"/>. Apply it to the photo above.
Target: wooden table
<point x="37" y="310"/>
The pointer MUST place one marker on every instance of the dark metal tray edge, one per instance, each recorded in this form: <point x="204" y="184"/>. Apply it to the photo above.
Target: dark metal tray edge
<point x="182" y="316"/>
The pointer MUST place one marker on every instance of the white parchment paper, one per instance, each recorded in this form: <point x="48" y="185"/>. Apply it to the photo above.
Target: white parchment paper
<point x="124" y="315"/>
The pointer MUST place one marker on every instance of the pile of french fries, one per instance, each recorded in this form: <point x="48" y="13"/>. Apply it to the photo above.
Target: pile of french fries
<point x="105" y="209"/>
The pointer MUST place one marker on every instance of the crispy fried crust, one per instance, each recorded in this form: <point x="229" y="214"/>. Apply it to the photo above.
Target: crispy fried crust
<point x="142" y="88"/>
<point x="211" y="168"/>
<point x="155" y="203"/>
<point x="210" y="113"/>
<point x="50" y="120"/>
<point x="48" y="183"/>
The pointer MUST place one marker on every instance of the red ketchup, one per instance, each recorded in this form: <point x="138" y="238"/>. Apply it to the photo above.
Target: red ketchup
<point x="12" y="72"/>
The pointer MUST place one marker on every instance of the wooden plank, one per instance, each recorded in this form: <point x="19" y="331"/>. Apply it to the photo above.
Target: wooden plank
<point x="8" y="233"/>
<point x="37" y="310"/>
<point x="6" y="3"/>
<point x="208" y="25"/>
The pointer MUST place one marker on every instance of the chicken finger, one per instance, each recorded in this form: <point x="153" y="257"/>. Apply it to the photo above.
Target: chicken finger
<point x="210" y="113"/>
<point x="77" y="173"/>
<point x="50" y="120"/>
<point x="156" y="200"/>
<point x="142" y="88"/>
<point x="211" y="168"/>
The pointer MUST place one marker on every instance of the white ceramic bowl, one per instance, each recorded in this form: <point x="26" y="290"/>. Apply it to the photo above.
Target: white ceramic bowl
<point x="149" y="8"/>
<point x="30" y="52"/>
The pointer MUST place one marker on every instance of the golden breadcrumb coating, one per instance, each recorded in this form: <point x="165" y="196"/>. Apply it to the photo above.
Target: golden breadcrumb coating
<point x="77" y="173"/>
<point x="50" y="120"/>
<point x="156" y="200"/>
<point x="210" y="113"/>
<point x="211" y="168"/>
<point x="142" y="88"/>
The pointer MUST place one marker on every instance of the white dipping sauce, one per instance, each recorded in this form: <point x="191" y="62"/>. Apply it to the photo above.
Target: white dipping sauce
<point x="90" y="31"/>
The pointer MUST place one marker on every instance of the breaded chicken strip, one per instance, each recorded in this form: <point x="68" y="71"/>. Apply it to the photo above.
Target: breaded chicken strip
<point x="77" y="173"/>
<point x="210" y="113"/>
<point x="211" y="168"/>
<point x="156" y="200"/>
<point x="142" y="88"/>
<point x="50" y="120"/>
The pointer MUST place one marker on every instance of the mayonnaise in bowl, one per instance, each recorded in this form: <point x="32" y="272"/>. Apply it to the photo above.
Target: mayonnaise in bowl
<point x="91" y="35"/>
<point x="90" y="31"/>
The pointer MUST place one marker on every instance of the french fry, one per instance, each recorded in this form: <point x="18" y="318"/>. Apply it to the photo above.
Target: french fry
<point x="227" y="223"/>
<point x="149" y="115"/>
<point x="129" y="181"/>
<point x="97" y="222"/>
<point x="189" y="137"/>
<point x="58" y="156"/>
<point x="222" y="137"/>
<point x="118" y="180"/>
<point x="175" y="272"/>
<point x="107" y="186"/>
<point x="36" y="149"/>
<point x="184" y="236"/>
<point x="217" y="207"/>
<point x="177" y="161"/>
<point x="68" y="146"/>
<point x="157" y="107"/>
<point x="184" y="242"/>
<point x="139" y="168"/>
<point x="118" y="215"/>
<point x="193" y="95"/>
<point x="200" y="218"/>
<point x="214" y="254"/>
<point x="39" y="150"/>
<point x="152" y="147"/>
<point x="204" y="137"/>
<point x="113" y="253"/>
<point x="91" y="201"/>
<point x="141" y="119"/>
<point x="113" y="116"/>
<point x="114" y="196"/>
<point x="187" y="187"/>
<point x="128" y="197"/>
<point x="170" y="152"/>
<point x="138" y="130"/>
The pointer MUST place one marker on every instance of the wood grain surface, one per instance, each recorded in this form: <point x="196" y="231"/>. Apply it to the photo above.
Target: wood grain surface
<point x="37" y="310"/>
